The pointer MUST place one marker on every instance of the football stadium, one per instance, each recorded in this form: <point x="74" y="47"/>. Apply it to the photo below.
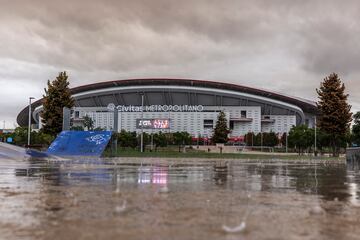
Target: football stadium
<point x="172" y="105"/>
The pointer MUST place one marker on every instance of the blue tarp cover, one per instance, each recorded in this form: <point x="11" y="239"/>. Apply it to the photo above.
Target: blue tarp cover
<point x="80" y="143"/>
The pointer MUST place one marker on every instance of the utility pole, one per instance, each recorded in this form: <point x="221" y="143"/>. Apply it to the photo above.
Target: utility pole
<point x="286" y="142"/>
<point x="152" y="140"/>
<point x="142" y="123"/>
<point x="169" y="116"/>
<point x="115" y="130"/>
<point x="29" y="125"/>
<point x="315" y="148"/>
<point x="286" y="137"/>
<point x="120" y="113"/>
<point x="197" y="141"/>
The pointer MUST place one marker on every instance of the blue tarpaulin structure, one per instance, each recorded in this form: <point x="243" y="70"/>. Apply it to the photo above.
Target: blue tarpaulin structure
<point x="80" y="143"/>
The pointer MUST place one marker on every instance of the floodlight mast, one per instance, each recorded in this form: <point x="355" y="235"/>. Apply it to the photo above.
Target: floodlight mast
<point x="29" y="125"/>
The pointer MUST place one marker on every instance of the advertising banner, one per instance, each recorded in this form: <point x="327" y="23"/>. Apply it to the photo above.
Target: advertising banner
<point x="153" y="123"/>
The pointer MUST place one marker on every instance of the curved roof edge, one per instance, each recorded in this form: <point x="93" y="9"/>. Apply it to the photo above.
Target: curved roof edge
<point x="305" y="105"/>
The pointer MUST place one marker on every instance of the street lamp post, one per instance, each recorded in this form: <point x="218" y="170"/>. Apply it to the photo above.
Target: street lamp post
<point x="29" y="126"/>
<point x="120" y="122"/>
<point x="151" y="140"/>
<point x="142" y="123"/>
<point x="315" y="147"/>
<point x="286" y="137"/>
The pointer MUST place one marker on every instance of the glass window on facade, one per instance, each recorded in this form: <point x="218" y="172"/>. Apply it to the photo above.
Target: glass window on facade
<point x="243" y="114"/>
<point x="231" y="125"/>
<point x="208" y="123"/>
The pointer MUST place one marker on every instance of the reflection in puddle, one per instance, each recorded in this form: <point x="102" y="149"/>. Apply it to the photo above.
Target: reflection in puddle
<point x="328" y="180"/>
<point x="153" y="174"/>
<point x="203" y="192"/>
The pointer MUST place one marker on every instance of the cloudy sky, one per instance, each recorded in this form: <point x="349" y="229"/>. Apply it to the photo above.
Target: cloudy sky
<point x="287" y="46"/>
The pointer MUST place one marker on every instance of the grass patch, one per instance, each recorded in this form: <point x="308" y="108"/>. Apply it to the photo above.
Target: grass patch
<point x="171" y="153"/>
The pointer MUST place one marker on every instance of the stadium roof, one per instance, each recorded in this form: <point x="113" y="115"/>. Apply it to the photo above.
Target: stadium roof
<point x="305" y="105"/>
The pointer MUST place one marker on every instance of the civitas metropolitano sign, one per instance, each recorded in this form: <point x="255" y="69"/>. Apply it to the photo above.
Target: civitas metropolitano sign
<point x="156" y="108"/>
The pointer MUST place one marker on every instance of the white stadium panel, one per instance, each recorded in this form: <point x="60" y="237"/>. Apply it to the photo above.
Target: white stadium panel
<point x="247" y="109"/>
<point x="241" y="120"/>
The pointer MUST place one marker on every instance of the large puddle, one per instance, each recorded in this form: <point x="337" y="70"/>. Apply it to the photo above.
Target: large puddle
<point x="178" y="199"/>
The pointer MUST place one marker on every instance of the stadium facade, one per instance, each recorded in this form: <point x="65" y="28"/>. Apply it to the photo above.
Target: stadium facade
<point x="171" y="105"/>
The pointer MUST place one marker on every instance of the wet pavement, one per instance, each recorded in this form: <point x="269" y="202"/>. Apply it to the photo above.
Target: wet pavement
<point x="131" y="198"/>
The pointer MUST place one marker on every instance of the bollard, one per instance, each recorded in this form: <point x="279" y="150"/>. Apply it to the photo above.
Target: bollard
<point x="353" y="155"/>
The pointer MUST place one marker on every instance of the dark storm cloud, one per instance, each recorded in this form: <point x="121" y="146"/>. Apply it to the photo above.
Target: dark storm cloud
<point x="332" y="46"/>
<point x="121" y="35"/>
<point x="282" y="45"/>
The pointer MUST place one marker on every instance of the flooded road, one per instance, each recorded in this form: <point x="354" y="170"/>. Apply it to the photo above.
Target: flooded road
<point x="178" y="199"/>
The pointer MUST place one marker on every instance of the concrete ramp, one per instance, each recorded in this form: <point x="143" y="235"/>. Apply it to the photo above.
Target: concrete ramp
<point x="8" y="151"/>
<point x="80" y="143"/>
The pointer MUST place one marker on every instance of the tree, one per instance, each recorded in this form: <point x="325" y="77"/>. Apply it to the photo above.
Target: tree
<point x="181" y="138"/>
<point x="146" y="140"/>
<point x="249" y="139"/>
<point x="77" y="128"/>
<point x="160" y="140"/>
<point x="270" y="139"/>
<point x="127" y="139"/>
<point x="283" y="139"/>
<point x="57" y="96"/>
<point x="322" y="141"/>
<point x="257" y="139"/>
<point x="20" y="136"/>
<point x="356" y="129"/>
<point x="37" y="138"/>
<point x="301" y="137"/>
<point x="221" y="130"/>
<point x="41" y="138"/>
<point x="99" y="129"/>
<point x="335" y="115"/>
<point x="88" y="123"/>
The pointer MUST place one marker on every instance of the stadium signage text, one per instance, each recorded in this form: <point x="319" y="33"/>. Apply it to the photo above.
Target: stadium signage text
<point x="156" y="108"/>
<point x="153" y="123"/>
